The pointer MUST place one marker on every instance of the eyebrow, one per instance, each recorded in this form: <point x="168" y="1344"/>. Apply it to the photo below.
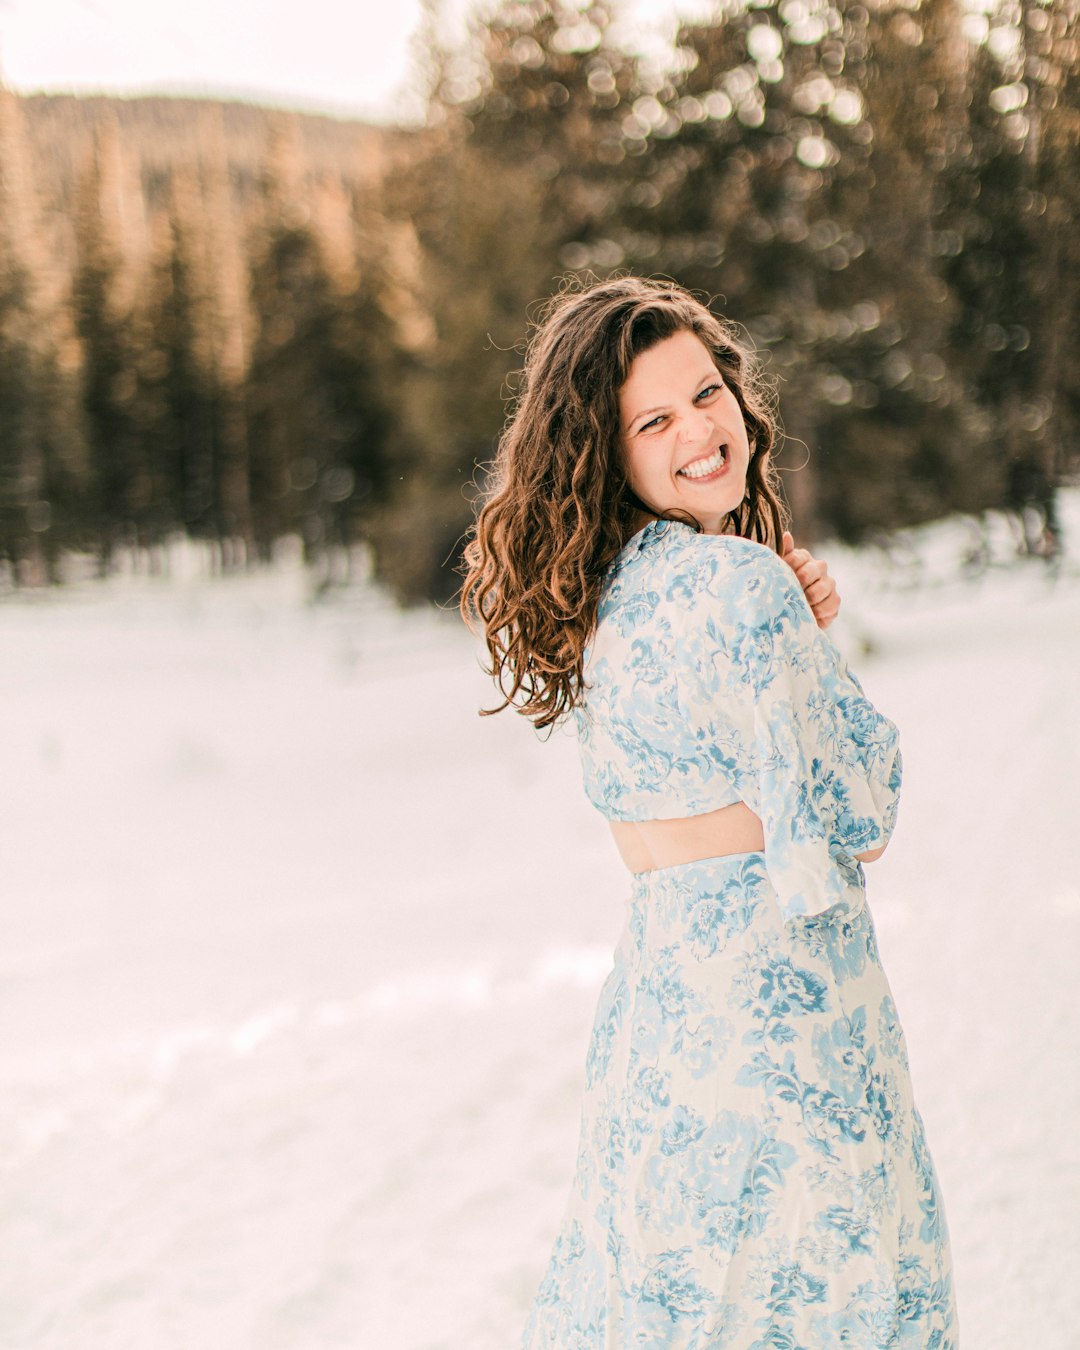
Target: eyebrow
<point x="710" y="375"/>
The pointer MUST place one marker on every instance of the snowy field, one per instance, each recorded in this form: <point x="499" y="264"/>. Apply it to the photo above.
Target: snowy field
<point x="300" y="957"/>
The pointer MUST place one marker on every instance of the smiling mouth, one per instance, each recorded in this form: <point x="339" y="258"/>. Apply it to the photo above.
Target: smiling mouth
<point x="706" y="466"/>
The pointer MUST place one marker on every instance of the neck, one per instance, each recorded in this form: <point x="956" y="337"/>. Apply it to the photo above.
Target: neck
<point x="638" y="521"/>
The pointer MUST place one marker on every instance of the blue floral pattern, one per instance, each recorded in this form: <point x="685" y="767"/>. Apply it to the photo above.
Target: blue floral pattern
<point x="709" y="682"/>
<point x="752" y="1170"/>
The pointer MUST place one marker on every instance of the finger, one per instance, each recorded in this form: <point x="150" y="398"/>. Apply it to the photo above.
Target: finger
<point x="825" y="613"/>
<point x="819" y="592"/>
<point x="810" y="571"/>
<point x="798" y="557"/>
<point x="786" y="542"/>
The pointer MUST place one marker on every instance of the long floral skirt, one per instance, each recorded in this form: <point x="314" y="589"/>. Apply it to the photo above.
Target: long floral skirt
<point x="752" y="1170"/>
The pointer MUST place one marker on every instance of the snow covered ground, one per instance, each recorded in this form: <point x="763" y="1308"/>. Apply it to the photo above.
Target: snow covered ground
<point x="300" y="956"/>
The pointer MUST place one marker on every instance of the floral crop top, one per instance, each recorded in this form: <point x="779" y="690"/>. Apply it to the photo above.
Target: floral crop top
<point x="708" y="682"/>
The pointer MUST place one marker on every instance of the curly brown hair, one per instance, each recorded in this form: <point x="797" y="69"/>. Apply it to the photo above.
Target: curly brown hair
<point x="558" y="506"/>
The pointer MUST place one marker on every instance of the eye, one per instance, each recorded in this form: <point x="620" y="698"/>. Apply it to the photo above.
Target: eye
<point x="653" y="423"/>
<point x="711" y="389"/>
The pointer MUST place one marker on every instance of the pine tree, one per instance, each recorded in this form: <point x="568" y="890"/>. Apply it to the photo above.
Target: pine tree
<point x="513" y="182"/>
<point x="1014" y="267"/>
<point x="38" y="447"/>
<point x="21" y="469"/>
<point x="230" y="324"/>
<point x="315" y="414"/>
<point x="898" y="426"/>
<point x="176" y="405"/>
<point x="120" y="486"/>
<point x="1053" y="416"/>
<point x="788" y="166"/>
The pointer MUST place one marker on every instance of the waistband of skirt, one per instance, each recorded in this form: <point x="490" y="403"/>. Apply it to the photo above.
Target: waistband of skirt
<point x="701" y="872"/>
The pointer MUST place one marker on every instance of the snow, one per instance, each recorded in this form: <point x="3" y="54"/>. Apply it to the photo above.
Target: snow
<point x="301" y="957"/>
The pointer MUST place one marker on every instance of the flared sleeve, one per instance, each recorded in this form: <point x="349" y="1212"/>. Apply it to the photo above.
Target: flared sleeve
<point x="824" y="768"/>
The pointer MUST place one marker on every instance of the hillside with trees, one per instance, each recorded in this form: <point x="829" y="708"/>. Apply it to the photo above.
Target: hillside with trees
<point x="239" y="324"/>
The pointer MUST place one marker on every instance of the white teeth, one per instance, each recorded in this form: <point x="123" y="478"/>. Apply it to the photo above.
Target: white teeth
<point x="702" y="467"/>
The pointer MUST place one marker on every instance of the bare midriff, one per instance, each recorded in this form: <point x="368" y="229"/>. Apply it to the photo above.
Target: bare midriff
<point x="645" y="845"/>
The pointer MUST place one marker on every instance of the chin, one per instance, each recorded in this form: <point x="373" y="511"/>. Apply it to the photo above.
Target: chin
<point x="721" y="507"/>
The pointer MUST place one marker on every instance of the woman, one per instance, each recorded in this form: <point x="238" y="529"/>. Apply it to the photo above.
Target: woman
<point x="752" y="1169"/>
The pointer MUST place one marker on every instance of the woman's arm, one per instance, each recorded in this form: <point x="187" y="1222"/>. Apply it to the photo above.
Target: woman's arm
<point x="824" y="601"/>
<point x="825" y="768"/>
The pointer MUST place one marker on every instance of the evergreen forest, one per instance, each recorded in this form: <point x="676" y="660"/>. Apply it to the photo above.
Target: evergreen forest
<point x="242" y="325"/>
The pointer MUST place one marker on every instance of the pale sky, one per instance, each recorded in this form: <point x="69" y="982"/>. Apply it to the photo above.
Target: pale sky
<point x="349" y="57"/>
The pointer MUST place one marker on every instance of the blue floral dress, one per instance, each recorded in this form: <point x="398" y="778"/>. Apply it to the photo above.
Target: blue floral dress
<point x="752" y="1170"/>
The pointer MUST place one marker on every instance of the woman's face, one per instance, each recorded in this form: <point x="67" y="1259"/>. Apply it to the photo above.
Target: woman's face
<point x="682" y="432"/>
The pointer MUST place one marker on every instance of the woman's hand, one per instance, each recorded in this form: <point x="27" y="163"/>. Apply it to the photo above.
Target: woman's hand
<point x="818" y="587"/>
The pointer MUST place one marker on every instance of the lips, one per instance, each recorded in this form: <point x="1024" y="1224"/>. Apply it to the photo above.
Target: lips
<point x="705" y="465"/>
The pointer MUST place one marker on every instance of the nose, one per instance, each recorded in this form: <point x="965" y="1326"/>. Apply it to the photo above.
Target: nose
<point x="696" y="426"/>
